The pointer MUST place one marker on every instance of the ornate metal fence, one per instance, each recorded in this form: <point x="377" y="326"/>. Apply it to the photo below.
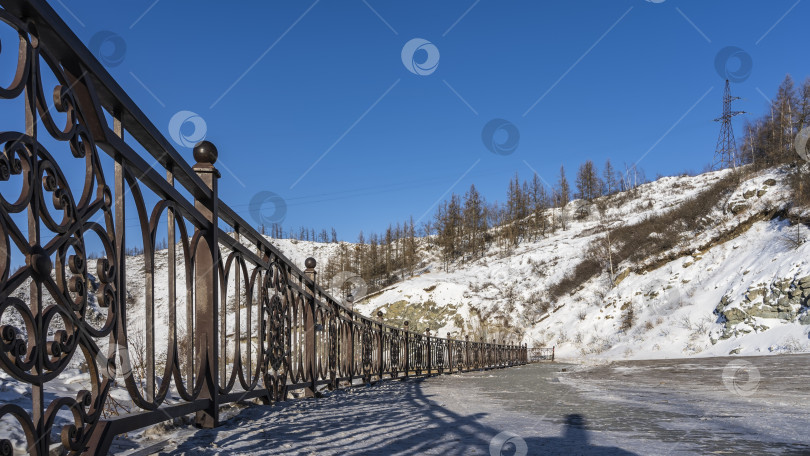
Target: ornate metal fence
<point x="240" y="320"/>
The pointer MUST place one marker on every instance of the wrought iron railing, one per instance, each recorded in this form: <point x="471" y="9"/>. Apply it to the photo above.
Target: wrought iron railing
<point x="241" y="321"/>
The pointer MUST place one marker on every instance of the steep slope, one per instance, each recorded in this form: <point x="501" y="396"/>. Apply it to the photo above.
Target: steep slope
<point x="737" y="285"/>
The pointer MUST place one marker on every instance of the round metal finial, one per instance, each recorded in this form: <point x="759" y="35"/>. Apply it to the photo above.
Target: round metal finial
<point x="206" y="152"/>
<point x="310" y="263"/>
<point x="379" y="314"/>
<point x="407" y="323"/>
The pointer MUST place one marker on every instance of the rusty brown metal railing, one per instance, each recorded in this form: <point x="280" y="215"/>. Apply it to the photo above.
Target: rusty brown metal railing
<point x="298" y="336"/>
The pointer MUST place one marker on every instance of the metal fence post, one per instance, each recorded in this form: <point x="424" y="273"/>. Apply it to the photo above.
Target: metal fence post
<point x="429" y="351"/>
<point x="466" y="358"/>
<point x="348" y="354"/>
<point x="479" y="350"/>
<point x="206" y="284"/>
<point x="483" y="350"/>
<point x="334" y="346"/>
<point x="380" y="346"/>
<point x="407" y="350"/>
<point x="449" y="354"/>
<point x="352" y="356"/>
<point x="507" y="355"/>
<point x="311" y="359"/>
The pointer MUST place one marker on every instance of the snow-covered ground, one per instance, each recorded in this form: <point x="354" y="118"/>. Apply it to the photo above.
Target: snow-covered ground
<point x="635" y="407"/>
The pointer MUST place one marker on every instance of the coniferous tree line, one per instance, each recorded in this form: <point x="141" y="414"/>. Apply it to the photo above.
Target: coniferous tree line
<point x="379" y="259"/>
<point x="770" y="140"/>
<point x="466" y="225"/>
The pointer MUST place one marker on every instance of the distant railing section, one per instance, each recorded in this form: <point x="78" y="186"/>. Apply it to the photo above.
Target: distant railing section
<point x="541" y="354"/>
<point x="242" y="321"/>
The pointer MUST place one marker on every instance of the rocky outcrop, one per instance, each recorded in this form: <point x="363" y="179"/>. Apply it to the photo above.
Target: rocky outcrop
<point x="786" y="299"/>
<point x="737" y="208"/>
<point x="744" y="201"/>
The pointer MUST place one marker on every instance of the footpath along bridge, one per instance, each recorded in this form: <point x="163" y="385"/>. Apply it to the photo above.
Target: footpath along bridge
<point x="242" y="321"/>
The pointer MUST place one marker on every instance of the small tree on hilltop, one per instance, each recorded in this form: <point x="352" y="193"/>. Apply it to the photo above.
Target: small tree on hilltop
<point x="589" y="186"/>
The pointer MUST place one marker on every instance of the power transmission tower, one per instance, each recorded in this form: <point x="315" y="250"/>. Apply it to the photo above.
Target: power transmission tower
<point x="725" y="155"/>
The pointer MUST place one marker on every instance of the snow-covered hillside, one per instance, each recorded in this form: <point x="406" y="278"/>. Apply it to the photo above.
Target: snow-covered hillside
<point x="739" y="287"/>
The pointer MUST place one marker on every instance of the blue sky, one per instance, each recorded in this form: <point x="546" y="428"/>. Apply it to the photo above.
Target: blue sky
<point x="283" y="85"/>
